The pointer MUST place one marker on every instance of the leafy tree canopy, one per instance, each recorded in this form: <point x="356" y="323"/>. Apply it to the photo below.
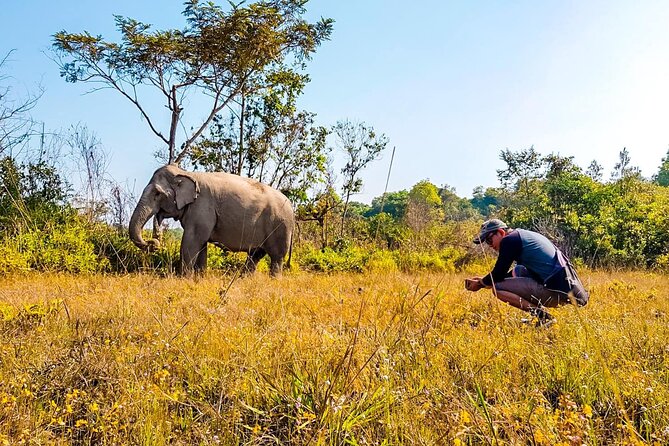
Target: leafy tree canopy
<point x="218" y="54"/>
<point x="392" y="203"/>
<point x="425" y="193"/>
<point x="30" y="194"/>
<point x="424" y="206"/>
<point x="265" y="137"/>
<point x="486" y="201"/>
<point x="522" y="167"/>
<point x="456" y="208"/>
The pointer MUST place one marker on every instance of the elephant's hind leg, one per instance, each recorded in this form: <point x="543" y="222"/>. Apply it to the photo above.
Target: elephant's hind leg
<point x="252" y="260"/>
<point x="276" y="266"/>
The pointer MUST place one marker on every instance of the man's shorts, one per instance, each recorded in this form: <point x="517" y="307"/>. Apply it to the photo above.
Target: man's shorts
<point x="521" y="284"/>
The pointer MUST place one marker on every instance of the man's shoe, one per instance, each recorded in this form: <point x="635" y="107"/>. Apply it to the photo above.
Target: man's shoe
<point x="544" y="318"/>
<point x="545" y="323"/>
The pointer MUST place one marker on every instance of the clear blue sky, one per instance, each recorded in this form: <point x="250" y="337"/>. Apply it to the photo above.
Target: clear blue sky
<point x="451" y="83"/>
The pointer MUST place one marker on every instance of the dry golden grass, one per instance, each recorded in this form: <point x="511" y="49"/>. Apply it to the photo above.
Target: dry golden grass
<point x="316" y="359"/>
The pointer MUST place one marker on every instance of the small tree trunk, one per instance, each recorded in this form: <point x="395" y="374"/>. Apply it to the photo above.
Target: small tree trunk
<point x="324" y="228"/>
<point x="343" y="215"/>
<point x="176" y="111"/>
<point x="242" y="117"/>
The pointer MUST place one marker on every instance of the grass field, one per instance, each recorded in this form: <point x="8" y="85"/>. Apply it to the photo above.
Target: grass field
<point x="327" y="359"/>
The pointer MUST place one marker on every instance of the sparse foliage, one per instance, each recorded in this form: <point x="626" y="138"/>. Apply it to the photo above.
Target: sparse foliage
<point x="16" y="124"/>
<point x="623" y="168"/>
<point x="361" y="145"/>
<point x="595" y="171"/>
<point x="91" y="161"/>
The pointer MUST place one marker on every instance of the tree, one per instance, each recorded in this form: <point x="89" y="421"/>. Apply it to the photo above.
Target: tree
<point x="623" y="168"/>
<point x="318" y="208"/>
<point x="424" y="206"/>
<point x="91" y="161"/>
<point x="219" y="56"/>
<point x="456" y="208"/>
<point x="361" y="145"/>
<point x="269" y="140"/>
<point x="393" y="204"/>
<point x="521" y="168"/>
<point x="662" y="176"/>
<point x="358" y="209"/>
<point x="626" y="177"/>
<point x="595" y="171"/>
<point x="15" y="122"/>
<point x="31" y="194"/>
<point x="121" y="204"/>
<point x="557" y="165"/>
<point x="487" y="201"/>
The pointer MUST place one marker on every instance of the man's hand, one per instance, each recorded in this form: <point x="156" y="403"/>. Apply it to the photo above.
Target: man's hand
<point x="473" y="284"/>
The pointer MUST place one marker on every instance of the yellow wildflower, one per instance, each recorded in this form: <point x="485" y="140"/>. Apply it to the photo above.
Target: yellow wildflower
<point x="587" y="411"/>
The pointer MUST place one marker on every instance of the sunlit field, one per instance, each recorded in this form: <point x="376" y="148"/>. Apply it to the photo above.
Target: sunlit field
<point x="327" y="359"/>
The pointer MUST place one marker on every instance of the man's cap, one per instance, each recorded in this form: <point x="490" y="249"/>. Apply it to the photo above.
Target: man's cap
<point x="487" y="227"/>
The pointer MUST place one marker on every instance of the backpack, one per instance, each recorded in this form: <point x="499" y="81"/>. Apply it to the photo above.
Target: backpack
<point x="566" y="280"/>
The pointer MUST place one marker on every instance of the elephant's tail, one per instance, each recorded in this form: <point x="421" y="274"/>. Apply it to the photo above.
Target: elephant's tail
<point x="290" y="251"/>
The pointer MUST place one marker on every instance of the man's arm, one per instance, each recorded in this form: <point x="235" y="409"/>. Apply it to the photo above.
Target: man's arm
<point x="509" y="251"/>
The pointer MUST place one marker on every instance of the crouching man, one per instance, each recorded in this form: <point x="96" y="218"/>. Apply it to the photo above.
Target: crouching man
<point x="542" y="278"/>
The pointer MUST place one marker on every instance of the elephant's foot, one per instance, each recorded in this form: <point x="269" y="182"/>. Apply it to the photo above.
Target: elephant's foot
<point x="248" y="269"/>
<point x="275" y="269"/>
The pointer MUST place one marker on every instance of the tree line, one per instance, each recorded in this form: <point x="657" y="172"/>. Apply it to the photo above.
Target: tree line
<point x="248" y="65"/>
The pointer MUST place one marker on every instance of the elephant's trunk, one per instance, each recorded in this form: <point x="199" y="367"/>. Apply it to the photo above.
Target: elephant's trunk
<point x="140" y="216"/>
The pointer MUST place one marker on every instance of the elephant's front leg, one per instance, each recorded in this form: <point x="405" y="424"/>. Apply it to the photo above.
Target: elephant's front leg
<point x="201" y="261"/>
<point x="193" y="252"/>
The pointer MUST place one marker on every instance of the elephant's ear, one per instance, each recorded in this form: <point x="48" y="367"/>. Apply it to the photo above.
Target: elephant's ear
<point x="186" y="190"/>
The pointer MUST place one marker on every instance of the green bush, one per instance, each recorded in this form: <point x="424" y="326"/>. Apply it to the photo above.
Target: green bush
<point x="355" y="259"/>
<point x="11" y="258"/>
<point x="228" y="261"/>
<point x="382" y="262"/>
<point x="125" y="257"/>
<point x="443" y="260"/>
<point x="328" y="260"/>
<point x="55" y="248"/>
<point x="64" y="248"/>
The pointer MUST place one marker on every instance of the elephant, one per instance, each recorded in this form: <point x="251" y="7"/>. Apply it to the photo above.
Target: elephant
<point x="230" y="211"/>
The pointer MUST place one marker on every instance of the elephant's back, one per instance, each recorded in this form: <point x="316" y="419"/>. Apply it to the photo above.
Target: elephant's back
<point x="247" y="192"/>
<point x="236" y="184"/>
<point x="245" y="203"/>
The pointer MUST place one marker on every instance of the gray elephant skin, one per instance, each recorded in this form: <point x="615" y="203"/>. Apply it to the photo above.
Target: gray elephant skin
<point x="240" y="214"/>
